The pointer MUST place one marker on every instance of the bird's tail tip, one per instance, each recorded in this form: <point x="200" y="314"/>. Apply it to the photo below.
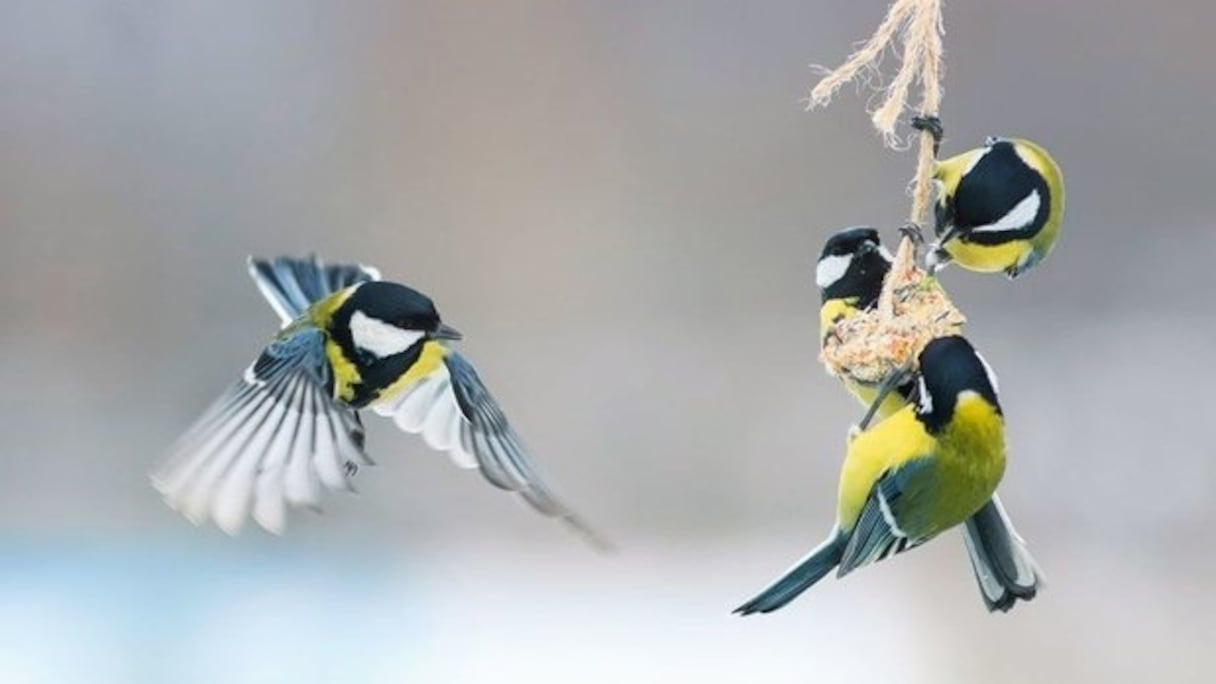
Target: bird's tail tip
<point x="593" y="537"/>
<point x="1004" y="569"/>
<point x="802" y="576"/>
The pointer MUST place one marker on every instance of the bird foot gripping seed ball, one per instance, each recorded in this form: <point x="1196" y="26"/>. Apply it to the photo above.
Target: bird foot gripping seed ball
<point x="912" y="310"/>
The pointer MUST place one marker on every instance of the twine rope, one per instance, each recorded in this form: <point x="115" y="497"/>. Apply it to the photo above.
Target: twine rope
<point x="873" y="345"/>
<point x="917" y="25"/>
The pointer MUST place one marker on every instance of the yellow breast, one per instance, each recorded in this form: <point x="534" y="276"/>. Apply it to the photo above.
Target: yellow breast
<point x="971" y="462"/>
<point x="834" y="310"/>
<point x="988" y="258"/>
<point x="968" y="463"/>
<point x="974" y="442"/>
<point x="428" y="362"/>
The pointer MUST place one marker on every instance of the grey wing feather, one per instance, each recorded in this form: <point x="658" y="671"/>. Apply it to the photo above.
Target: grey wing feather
<point x="292" y="285"/>
<point x="274" y="439"/>
<point x="455" y="413"/>
<point x="887" y="523"/>
<point x="499" y="451"/>
<point x="1004" y="568"/>
<point x="802" y="576"/>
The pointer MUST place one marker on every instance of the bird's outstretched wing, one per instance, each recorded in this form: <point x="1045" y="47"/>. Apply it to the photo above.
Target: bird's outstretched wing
<point x="455" y="413"/>
<point x="292" y="285"/>
<point x="889" y="522"/>
<point x="274" y="439"/>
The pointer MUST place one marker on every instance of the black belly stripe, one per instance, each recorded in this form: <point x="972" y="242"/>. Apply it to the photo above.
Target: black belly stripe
<point x="379" y="374"/>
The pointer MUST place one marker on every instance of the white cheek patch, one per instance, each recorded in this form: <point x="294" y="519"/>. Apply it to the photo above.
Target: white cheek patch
<point x="967" y="395"/>
<point x="923" y="398"/>
<point x="830" y="269"/>
<point x="380" y="338"/>
<point x="1019" y="217"/>
<point x="996" y="386"/>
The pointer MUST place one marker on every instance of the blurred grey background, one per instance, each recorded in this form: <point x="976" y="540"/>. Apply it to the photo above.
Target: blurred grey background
<point x="619" y="203"/>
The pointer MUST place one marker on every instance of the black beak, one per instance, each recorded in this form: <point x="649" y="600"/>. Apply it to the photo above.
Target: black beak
<point x="446" y="332"/>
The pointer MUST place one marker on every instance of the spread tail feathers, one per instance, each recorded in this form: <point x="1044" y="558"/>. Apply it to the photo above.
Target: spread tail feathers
<point x="806" y="572"/>
<point x="292" y="285"/>
<point x="1003" y="566"/>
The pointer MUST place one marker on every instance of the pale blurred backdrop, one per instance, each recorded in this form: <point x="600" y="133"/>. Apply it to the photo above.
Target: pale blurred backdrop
<point x="619" y="203"/>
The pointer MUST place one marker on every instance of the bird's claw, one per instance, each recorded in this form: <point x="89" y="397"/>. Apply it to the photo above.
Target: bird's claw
<point x="914" y="233"/>
<point x="936" y="259"/>
<point x="350" y="468"/>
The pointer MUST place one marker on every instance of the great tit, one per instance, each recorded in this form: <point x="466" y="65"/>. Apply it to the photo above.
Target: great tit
<point x="291" y="428"/>
<point x="999" y="207"/>
<point x="850" y="275"/>
<point x="929" y="466"/>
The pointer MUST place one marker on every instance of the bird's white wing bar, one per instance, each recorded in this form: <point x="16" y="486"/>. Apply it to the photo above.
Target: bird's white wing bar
<point x="274" y="439"/>
<point x="1018" y="218"/>
<point x="880" y="531"/>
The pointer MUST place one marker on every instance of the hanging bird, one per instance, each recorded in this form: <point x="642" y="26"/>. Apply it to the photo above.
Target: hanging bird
<point x="999" y="207"/>
<point x="290" y="427"/>
<point x="927" y="467"/>
<point x="850" y="274"/>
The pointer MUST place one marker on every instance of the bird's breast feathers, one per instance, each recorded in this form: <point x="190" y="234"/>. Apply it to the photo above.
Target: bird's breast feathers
<point x="367" y="386"/>
<point x="429" y="361"/>
<point x="989" y="258"/>
<point x="975" y="438"/>
<point x="969" y="458"/>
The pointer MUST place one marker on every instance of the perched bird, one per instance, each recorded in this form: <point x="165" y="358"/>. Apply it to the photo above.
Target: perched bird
<point x="291" y="428"/>
<point x="929" y="466"/>
<point x="999" y="207"/>
<point x="850" y="275"/>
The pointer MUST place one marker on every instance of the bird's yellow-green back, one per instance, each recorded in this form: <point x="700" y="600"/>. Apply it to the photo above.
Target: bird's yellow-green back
<point x="890" y="443"/>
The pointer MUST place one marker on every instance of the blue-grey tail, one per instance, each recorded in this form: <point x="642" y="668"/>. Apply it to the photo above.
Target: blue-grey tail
<point x="292" y="285"/>
<point x="1004" y="569"/>
<point x="805" y="573"/>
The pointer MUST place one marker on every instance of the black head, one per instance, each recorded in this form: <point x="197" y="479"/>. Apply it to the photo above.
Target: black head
<point x="999" y="187"/>
<point x="853" y="263"/>
<point x="950" y="366"/>
<point x="381" y="319"/>
<point x="382" y="328"/>
<point x="395" y="304"/>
